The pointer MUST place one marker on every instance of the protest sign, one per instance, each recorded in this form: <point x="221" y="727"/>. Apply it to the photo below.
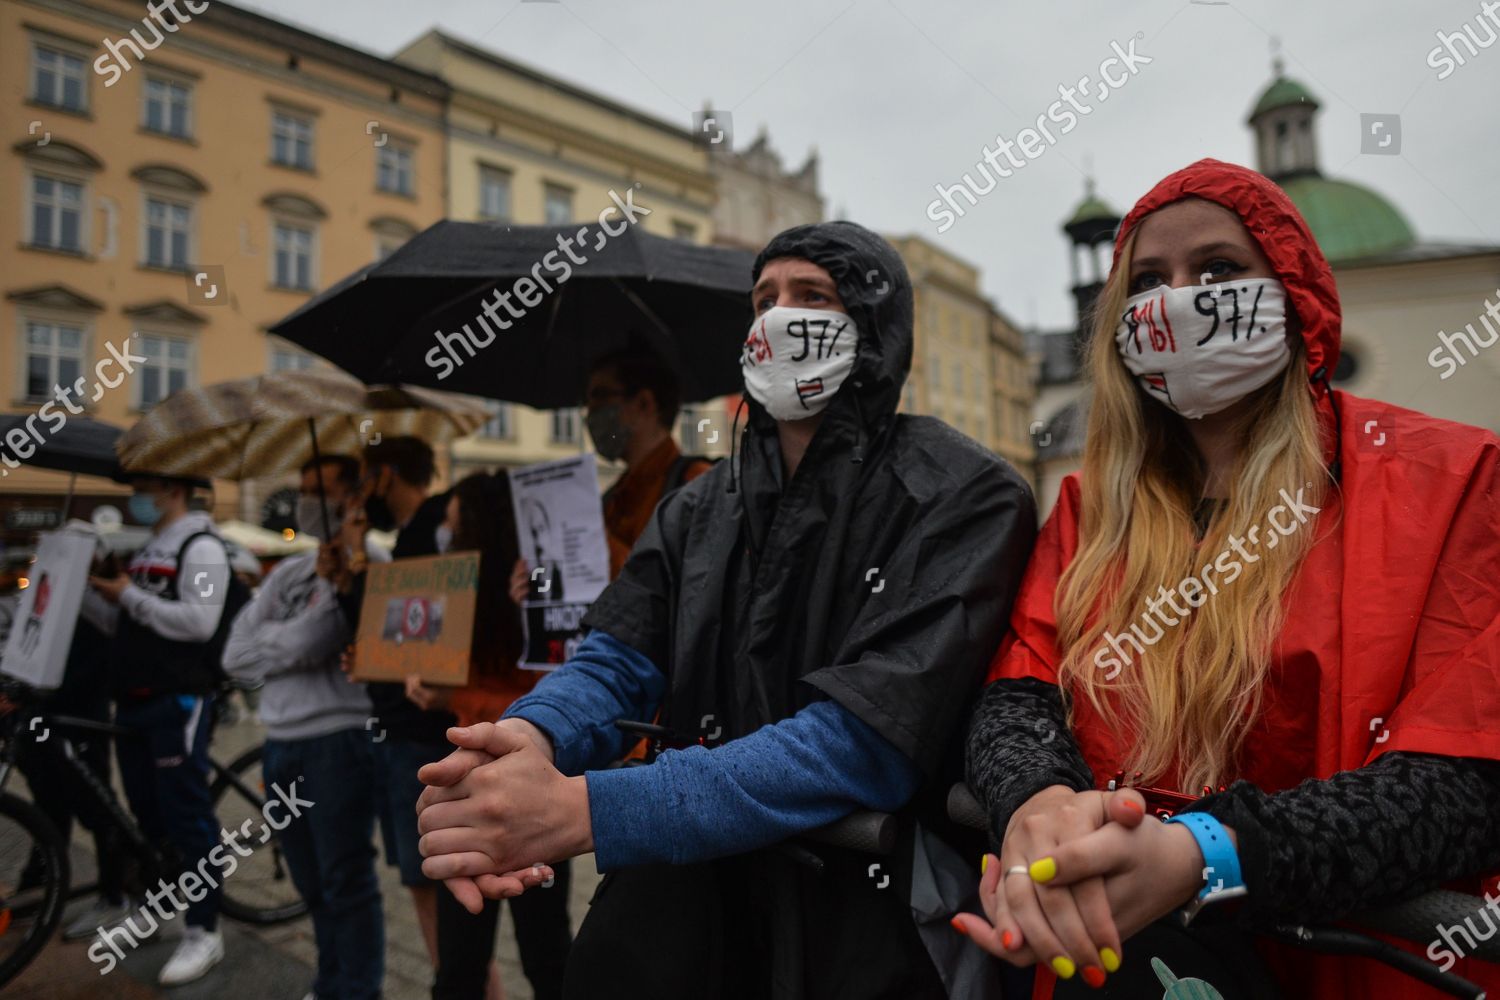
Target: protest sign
<point x="37" y="649"/>
<point x="418" y="618"/>
<point x="561" y="526"/>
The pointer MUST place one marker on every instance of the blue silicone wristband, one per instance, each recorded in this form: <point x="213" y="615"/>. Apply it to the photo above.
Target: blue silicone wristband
<point x="1221" y="862"/>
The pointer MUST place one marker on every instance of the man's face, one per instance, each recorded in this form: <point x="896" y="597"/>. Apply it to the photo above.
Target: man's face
<point x="637" y="411"/>
<point x="797" y="283"/>
<point x="333" y="488"/>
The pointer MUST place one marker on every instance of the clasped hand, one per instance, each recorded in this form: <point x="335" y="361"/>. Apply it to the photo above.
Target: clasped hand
<point x="1097" y="869"/>
<point x="496" y="810"/>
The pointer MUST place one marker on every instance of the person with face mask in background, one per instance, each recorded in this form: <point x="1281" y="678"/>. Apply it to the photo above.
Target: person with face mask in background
<point x="1257" y="584"/>
<point x="812" y="618"/>
<point x="165" y="614"/>
<point x="288" y="640"/>
<point x="631" y="402"/>
<point x="395" y="478"/>
<point x="481" y="519"/>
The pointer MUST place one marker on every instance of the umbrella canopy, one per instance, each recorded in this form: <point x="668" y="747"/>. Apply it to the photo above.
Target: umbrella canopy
<point x="261" y="426"/>
<point x="688" y="303"/>
<point x="82" y="446"/>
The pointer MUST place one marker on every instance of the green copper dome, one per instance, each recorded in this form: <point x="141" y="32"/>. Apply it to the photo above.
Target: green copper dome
<point x="1281" y="93"/>
<point x="1350" y="221"/>
<point x="1090" y="209"/>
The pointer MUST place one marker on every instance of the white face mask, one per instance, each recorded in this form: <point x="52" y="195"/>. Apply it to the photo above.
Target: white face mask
<point x="1199" y="349"/>
<point x="310" y="516"/>
<point x="795" y="360"/>
<point x="443" y="536"/>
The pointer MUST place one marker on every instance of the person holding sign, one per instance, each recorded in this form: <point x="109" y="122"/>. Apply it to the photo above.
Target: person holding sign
<point x="288" y="639"/>
<point x="480" y="518"/>
<point x="812" y="618"/>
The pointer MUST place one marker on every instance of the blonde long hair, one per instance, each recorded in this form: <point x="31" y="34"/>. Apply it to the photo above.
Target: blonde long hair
<point x="1190" y="698"/>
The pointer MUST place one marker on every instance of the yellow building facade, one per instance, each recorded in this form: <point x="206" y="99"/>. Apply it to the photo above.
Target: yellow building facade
<point x="969" y="367"/>
<point x="177" y="187"/>
<point x="529" y="149"/>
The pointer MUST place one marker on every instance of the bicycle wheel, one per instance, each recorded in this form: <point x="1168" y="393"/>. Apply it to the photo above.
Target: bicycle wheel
<point x="260" y="891"/>
<point x="33" y="883"/>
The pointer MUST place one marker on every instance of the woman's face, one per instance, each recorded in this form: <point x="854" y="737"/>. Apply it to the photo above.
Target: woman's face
<point x="451" y="515"/>
<point x="1194" y="242"/>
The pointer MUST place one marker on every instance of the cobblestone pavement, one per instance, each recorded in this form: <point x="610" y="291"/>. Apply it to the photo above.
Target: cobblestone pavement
<point x="261" y="963"/>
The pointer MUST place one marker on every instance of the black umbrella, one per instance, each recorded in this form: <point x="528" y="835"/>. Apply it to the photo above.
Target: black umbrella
<point x="688" y="303"/>
<point x="82" y="446"/>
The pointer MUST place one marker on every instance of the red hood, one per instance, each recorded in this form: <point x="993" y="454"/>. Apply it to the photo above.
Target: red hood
<point x="1282" y="234"/>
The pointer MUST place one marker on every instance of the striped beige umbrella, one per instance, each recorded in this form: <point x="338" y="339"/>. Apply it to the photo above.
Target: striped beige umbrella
<point x="265" y="425"/>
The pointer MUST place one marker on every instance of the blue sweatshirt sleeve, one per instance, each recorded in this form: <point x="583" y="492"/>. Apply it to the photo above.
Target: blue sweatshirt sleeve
<point x="577" y="704"/>
<point x="783" y="779"/>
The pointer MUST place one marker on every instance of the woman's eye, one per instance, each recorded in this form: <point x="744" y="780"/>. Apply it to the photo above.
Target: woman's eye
<point x="1221" y="268"/>
<point x="1145" y="282"/>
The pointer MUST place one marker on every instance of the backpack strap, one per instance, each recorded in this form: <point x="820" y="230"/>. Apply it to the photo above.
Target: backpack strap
<point x="181" y="552"/>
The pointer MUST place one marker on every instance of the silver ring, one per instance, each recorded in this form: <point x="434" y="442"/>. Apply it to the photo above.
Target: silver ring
<point x="1016" y="869"/>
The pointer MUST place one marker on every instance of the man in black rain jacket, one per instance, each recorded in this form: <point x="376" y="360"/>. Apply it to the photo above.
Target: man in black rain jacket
<point x="812" y="618"/>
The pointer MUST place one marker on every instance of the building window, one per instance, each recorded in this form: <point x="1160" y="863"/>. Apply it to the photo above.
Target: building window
<point x="287" y="359"/>
<point x="565" y="426"/>
<point x="291" y="140"/>
<point x="393" y="169"/>
<point x="499" y="426"/>
<point x="168" y="107"/>
<point x="293" y="257"/>
<point x="58" y="78"/>
<point x="684" y="230"/>
<point x="54" y="357"/>
<point x="387" y="245"/>
<point x="168" y="367"/>
<point x="168" y="233"/>
<point x="687" y="430"/>
<point x="558" y="205"/>
<point x="958" y="379"/>
<point x="494" y="194"/>
<point x="56" y="213"/>
<point x="934" y="374"/>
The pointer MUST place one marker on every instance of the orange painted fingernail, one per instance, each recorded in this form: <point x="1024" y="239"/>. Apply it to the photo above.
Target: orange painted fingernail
<point x="1007" y="941"/>
<point x="1094" y="976"/>
<point x="1133" y="806"/>
<point x="958" y="925"/>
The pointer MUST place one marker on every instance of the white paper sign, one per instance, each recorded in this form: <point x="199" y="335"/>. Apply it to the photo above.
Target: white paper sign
<point x="560" y="521"/>
<point x="42" y="632"/>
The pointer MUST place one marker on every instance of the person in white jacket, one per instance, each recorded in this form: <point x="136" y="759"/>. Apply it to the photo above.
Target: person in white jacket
<point x="318" y="734"/>
<point x="163" y="613"/>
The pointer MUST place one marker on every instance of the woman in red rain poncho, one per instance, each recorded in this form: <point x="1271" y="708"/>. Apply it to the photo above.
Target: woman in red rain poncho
<point x="1257" y="584"/>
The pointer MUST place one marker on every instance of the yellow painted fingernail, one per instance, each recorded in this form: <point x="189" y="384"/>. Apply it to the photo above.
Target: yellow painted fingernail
<point x="984" y="863"/>
<point x="1064" y="967"/>
<point x="1109" y="959"/>
<point x="1044" y="870"/>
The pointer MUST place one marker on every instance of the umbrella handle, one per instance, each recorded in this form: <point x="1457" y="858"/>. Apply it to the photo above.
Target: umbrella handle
<point x="312" y="429"/>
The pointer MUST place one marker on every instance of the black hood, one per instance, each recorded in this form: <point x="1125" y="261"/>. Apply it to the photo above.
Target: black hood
<point x="876" y="291"/>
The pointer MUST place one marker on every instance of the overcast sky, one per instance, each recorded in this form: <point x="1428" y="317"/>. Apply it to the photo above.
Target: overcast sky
<point x="899" y="95"/>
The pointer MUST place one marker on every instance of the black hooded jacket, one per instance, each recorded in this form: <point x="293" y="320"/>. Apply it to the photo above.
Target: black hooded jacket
<point x="880" y="576"/>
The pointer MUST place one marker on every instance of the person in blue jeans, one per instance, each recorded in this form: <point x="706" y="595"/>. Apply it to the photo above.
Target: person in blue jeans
<point x="289" y="639"/>
<point x="163" y="615"/>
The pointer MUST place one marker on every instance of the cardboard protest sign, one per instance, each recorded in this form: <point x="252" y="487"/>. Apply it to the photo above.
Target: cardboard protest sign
<point x="560" y="521"/>
<point x="37" y="650"/>
<point x="418" y="618"/>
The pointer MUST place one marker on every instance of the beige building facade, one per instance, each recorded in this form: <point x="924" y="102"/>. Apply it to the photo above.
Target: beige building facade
<point x="176" y="192"/>
<point x="969" y="365"/>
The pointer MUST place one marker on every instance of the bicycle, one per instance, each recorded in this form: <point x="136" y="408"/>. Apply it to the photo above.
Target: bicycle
<point x="34" y="868"/>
